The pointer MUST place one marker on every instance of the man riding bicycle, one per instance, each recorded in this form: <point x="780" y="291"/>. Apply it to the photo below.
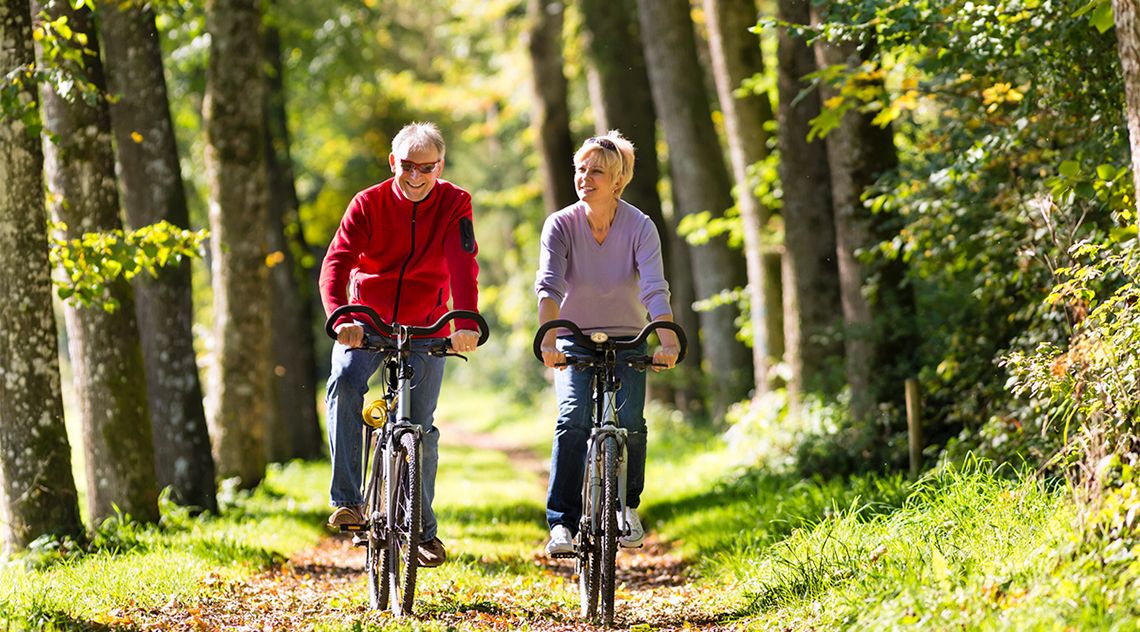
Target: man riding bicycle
<point x="404" y="247"/>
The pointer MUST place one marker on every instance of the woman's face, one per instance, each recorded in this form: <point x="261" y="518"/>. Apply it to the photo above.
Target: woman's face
<point x="592" y="182"/>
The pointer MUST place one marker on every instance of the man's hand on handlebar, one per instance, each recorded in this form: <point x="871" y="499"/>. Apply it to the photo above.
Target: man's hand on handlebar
<point x="350" y="335"/>
<point x="551" y="356"/>
<point x="464" y="340"/>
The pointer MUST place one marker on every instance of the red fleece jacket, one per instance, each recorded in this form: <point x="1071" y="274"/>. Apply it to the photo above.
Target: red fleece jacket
<point x="401" y="258"/>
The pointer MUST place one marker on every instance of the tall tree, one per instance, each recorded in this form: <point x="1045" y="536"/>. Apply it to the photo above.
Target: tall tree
<point x="236" y="173"/>
<point x="104" y="346"/>
<point x="700" y="184"/>
<point x="1126" y="14"/>
<point x="551" y="122"/>
<point x="736" y="56"/>
<point x="858" y="153"/>
<point x="293" y="431"/>
<point x="810" y="274"/>
<point x="37" y="491"/>
<point x="619" y="91"/>
<point x="151" y="184"/>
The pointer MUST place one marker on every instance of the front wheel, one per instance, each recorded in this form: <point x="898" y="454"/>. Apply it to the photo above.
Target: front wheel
<point x="608" y="514"/>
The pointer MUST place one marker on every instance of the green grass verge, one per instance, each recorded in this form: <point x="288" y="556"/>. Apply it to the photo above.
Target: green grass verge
<point x="148" y="566"/>
<point x="965" y="548"/>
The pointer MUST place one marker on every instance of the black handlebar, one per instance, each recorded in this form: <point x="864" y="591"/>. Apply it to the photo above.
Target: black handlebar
<point x="388" y="330"/>
<point x="618" y="345"/>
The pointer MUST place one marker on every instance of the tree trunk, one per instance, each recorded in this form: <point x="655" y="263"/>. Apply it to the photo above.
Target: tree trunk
<point x="810" y="274"/>
<point x="1126" y="14"/>
<point x="293" y="431"/>
<point x="104" y="346"/>
<point x="858" y="153"/>
<point x="151" y="184"/>
<point x="700" y="183"/>
<point x="37" y="491"/>
<point x="551" y="115"/>
<point x="619" y="91"/>
<point x="736" y="56"/>
<point x="235" y="170"/>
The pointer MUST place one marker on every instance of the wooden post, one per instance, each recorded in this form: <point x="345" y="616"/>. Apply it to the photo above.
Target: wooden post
<point x="914" y="425"/>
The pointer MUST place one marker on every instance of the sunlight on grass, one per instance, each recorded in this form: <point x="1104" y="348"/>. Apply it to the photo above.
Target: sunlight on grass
<point x="149" y="565"/>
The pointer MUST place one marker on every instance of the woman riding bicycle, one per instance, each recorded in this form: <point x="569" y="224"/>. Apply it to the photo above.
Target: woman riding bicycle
<point x="600" y="266"/>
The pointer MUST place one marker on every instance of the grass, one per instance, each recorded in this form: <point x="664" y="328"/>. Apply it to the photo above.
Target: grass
<point x="148" y="566"/>
<point x="963" y="548"/>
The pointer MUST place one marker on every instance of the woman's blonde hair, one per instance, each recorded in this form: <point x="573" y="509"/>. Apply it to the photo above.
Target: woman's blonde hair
<point x="613" y="153"/>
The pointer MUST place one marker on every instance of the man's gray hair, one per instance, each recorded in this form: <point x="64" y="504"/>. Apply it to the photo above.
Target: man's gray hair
<point x="419" y="136"/>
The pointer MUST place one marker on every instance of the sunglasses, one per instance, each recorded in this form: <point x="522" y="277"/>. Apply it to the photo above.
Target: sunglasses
<point x="422" y="167"/>
<point x="603" y="142"/>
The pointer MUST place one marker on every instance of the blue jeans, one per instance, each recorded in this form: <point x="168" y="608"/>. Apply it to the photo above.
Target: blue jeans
<point x="575" y="412"/>
<point x="348" y="383"/>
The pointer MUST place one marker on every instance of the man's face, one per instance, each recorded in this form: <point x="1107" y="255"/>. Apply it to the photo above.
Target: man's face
<point x="416" y="171"/>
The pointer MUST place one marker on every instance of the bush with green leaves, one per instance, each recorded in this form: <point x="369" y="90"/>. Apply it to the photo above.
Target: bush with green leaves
<point x="1008" y="120"/>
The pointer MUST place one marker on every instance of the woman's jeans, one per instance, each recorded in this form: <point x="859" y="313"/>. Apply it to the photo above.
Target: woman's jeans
<point x="348" y="383"/>
<point x="575" y="412"/>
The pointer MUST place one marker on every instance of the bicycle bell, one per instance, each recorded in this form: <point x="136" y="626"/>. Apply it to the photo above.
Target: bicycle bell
<point x="598" y="337"/>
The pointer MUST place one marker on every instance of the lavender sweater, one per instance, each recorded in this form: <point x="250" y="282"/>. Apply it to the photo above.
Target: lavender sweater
<point x="608" y="286"/>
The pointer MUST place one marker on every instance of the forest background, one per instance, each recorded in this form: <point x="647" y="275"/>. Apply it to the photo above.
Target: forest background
<point x="853" y="196"/>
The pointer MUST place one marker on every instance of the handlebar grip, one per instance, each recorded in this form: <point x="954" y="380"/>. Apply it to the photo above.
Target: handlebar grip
<point x="682" y="341"/>
<point x="582" y="338"/>
<point x="377" y="322"/>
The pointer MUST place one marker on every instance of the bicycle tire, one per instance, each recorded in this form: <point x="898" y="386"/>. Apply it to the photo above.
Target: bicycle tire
<point x="376" y="564"/>
<point x="404" y="536"/>
<point x="609" y="535"/>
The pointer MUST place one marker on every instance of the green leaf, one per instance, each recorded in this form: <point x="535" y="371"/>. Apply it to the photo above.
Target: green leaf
<point x="1106" y="172"/>
<point x="1101" y="17"/>
<point x="1070" y="168"/>
<point x="939" y="566"/>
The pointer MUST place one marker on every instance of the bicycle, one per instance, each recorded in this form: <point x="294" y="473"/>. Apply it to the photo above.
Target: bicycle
<point x="604" y="484"/>
<point x="391" y="459"/>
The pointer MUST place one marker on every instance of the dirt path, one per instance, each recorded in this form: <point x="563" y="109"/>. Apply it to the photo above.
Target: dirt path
<point x="323" y="586"/>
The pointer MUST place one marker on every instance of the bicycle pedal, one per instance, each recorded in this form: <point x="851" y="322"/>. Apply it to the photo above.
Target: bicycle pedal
<point x="353" y="528"/>
<point x="563" y="556"/>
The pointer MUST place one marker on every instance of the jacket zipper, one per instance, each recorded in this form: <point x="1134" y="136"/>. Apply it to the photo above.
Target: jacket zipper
<point x="411" y="253"/>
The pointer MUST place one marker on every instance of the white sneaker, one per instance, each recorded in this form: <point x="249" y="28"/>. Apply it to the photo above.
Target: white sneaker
<point x="560" y="541"/>
<point x="636" y="531"/>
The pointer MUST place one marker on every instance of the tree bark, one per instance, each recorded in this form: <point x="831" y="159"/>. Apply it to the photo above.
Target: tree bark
<point x="1126" y="14"/>
<point x="551" y="122"/>
<point x="104" y="346"/>
<point x="621" y="98"/>
<point x="810" y="274"/>
<point x="293" y="431"/>
<point x="235" y="169"/>
<point x="700" y="183"/>
<point x="736" y="56"/>
<point x="37" y="491"/>
<point x="150" y="181"/>
<point x="858" y="153"/>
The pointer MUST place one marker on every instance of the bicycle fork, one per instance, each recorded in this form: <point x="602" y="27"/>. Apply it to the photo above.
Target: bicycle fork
<point x="609" y="428"/>
<point x="403" y="425"/>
